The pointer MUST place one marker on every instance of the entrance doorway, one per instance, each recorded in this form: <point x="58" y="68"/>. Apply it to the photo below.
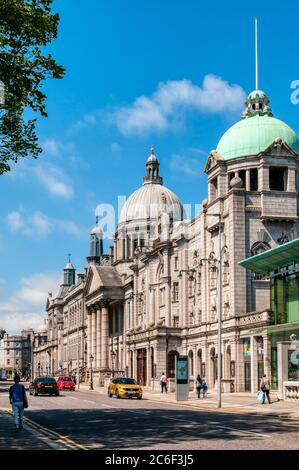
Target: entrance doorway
<point x="141" y="366"/>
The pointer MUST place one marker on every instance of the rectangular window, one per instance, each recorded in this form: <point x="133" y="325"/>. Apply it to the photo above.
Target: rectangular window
<point x="175" y="291"/>
<point x="242" y="176"/>
<point x="278" y="178"/>
<point x="162" y="296"/>
<point x="253" y="179"/>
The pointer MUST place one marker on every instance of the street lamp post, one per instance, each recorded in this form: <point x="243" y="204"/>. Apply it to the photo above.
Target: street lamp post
<point x="91" y="377"/>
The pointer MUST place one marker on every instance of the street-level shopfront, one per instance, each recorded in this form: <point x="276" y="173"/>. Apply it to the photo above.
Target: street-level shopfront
<point x="281" y="265"/>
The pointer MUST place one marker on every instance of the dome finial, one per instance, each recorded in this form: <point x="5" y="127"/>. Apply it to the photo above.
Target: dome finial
<point x="256" y="55"/>
<point x="69" y="255"/>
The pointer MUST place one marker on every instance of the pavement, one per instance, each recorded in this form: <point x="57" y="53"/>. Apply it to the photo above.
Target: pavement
<point x="230" y="402"/>
<point x="10" y="440"/>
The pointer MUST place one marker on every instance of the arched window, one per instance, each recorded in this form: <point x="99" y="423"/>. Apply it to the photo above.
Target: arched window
<point x="257" y="248"/>
<point x="213" y="271"/>
<point x="199" y="362"/>
<point x="171" y="364"/>
<point x="225" y="266"/>
<point x="228" y="361"/>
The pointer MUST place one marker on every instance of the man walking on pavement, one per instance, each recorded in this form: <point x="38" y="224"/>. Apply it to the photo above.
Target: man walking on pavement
<point x="163" y="382"/>
<point x="18" y="400"/>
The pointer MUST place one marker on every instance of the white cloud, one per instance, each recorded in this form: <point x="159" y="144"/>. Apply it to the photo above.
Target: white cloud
<point x="115" y="147"/>
<point x="54" y="147"/>
<point x="87" y="120"/>
<point x="38" y="224"/>
<point x="26" y="306"/>
<point x="53" y="180"/>
<point x="172" y="99"/>
<point x="15" y="220"/>
<point x="189" y="166"/>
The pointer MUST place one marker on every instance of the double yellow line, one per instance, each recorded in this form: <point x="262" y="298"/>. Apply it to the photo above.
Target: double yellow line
<point x="65" y="441"/>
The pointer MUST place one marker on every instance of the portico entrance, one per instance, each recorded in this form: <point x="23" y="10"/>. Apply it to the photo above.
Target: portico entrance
<point x="141" y="366"/>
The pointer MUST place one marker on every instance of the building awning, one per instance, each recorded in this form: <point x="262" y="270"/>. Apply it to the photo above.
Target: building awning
<point x="270" y="260"/>
<point x="275" y="328"/>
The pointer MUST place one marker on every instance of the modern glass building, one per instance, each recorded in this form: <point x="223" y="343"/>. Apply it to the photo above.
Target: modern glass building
<point x="281" y="265"/>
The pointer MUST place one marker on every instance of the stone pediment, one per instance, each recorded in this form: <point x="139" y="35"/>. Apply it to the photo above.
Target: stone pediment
<point x="212" y="161"/>
<point x="278" y="148"/>
<point x="102" y="277"/>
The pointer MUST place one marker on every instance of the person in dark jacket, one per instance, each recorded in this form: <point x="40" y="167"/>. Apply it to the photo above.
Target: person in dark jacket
<point x="18" y="400"/>
<point x="198" y="384"/>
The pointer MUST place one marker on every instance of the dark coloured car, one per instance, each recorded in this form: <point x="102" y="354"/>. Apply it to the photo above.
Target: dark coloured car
<point x="43" y="385"/>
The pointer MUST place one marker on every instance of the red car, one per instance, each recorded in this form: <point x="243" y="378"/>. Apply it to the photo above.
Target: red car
<point x="65" y="382"/>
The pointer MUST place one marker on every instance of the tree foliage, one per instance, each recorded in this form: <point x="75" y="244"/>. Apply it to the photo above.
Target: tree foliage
<point x="26" y="27"/>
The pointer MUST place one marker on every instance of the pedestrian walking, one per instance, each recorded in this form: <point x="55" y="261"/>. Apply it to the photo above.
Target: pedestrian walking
<point x="18" y="400"/>
<point x="198" y="384"/>
<point x="265" y="388"/>
<point x="204" y="388"/>
<point x="163" y="382"/>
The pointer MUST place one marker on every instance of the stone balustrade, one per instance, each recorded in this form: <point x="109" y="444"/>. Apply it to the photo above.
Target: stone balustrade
<point x="291" y="390"/>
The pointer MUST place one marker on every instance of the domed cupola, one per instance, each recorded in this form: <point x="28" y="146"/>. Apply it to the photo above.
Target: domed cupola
<point x="256" y="130"/>
<point x="146" y="202"/>
<point x="152" y="170"/>
<point x="96" y="244"/>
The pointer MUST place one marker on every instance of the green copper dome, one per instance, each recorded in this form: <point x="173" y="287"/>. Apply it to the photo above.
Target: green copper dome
<point x="255" y="131"/>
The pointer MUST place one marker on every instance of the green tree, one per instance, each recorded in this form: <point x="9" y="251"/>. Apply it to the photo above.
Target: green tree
<point x="26" y="27"/>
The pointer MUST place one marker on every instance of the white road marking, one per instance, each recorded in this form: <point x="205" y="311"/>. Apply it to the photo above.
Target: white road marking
<point x="107" y="406"/>
<point x="73" y="398"/>
<point x="88" y="401"/>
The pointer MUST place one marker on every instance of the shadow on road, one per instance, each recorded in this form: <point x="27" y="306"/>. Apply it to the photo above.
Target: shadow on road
<point x="142" y="427"/>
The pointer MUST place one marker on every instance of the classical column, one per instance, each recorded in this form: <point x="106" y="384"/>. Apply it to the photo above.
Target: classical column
<point x="98" y="338"/>
<point x="267" y="356"/>
<point x="148" y="366"/>
<point x="104" y="337"/>
<point x="247" y="187"/>
<point x="89" y="335"/>
<point x="94" y="335"/>
<point x="254" y="366"/>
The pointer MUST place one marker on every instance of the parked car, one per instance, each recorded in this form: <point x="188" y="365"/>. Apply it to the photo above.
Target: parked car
<point x="43" y="385"/>
<point x="65" y="382"/>
<point x="124" y="387"/>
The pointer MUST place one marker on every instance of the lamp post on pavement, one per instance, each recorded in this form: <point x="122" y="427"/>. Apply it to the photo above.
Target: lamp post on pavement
<point x="91" y="377"/>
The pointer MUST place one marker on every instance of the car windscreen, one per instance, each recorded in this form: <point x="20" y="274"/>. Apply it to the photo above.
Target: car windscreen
<point x="48" y="380"/>
<point x="66" y="379"/>
<point x="124" y="381"/>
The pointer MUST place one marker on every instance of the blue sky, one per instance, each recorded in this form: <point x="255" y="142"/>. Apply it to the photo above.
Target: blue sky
<point x="168" y="73"/>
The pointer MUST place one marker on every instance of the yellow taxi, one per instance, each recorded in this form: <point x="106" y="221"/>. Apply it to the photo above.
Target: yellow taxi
<point x="124" y="387"/>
